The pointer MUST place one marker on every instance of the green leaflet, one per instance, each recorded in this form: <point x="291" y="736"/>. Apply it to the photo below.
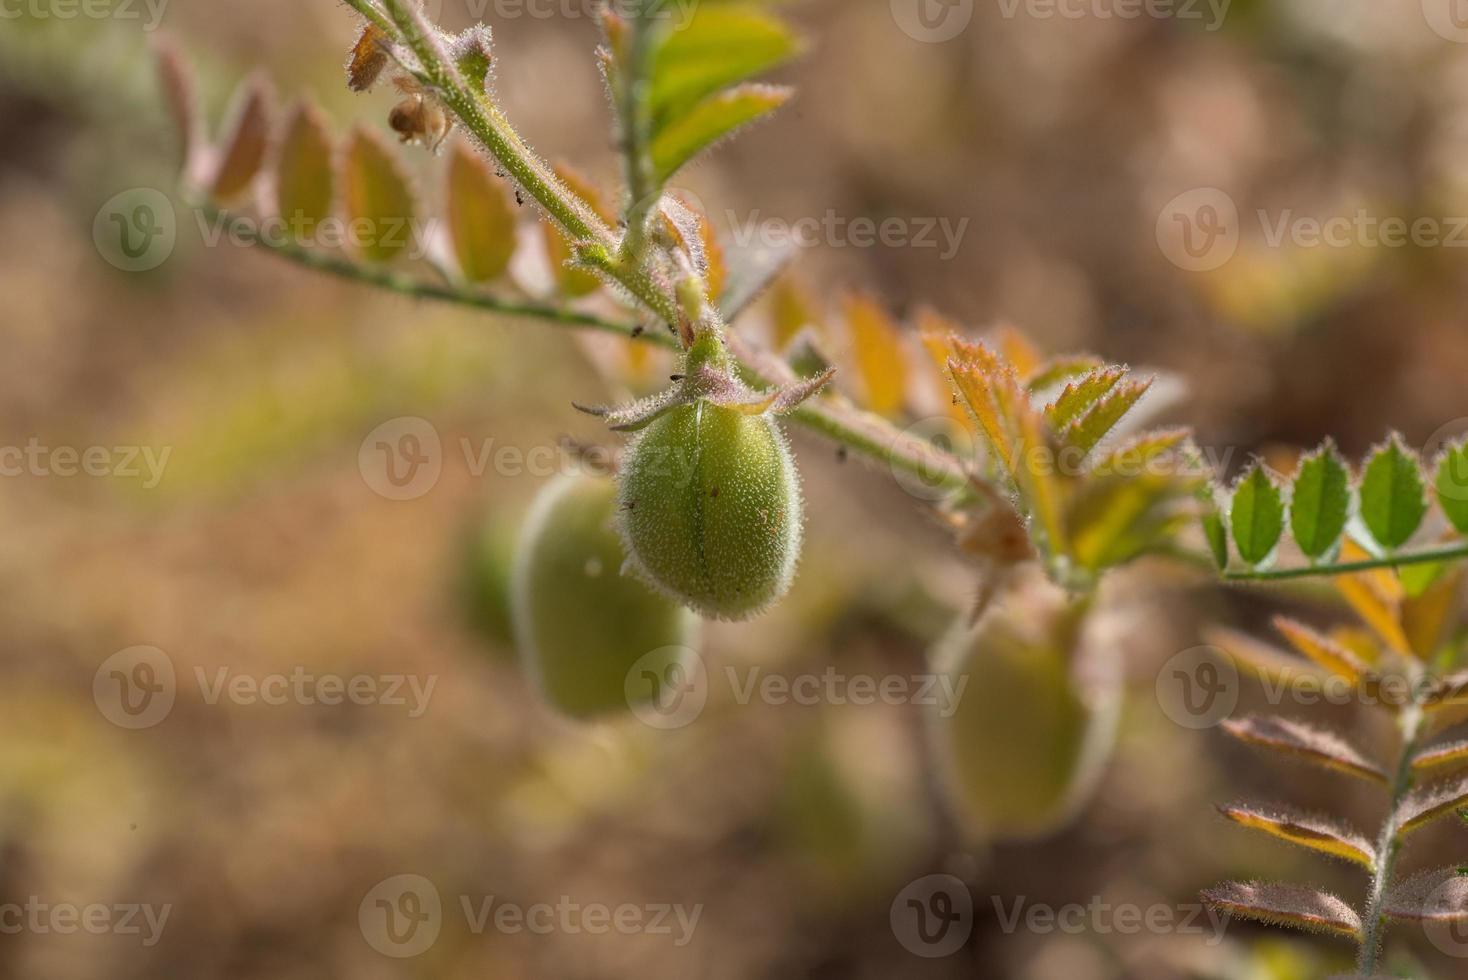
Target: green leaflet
<point x="1393" y="496"/>
<point x="1321" y="502"/>
<point x="1257" y="516"/>
<point x="1452" y="486"/>
<point x="721" y="45"/>
<point x="710" y="121"/>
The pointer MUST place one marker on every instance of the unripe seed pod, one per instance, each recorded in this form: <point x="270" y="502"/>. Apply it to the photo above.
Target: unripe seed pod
<point x="579" y="622"/>
<point x="709" y="506"/>
<point x="484" y="582"/>
<point x="1036" y="721"/>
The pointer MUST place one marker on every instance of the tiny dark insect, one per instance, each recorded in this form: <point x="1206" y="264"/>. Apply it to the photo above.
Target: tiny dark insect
<point x="841" y="454"/>
<point x="638" y="330"/>
<point x="676" y="377"/>
<point x="519" y="198"/>
<point x="714" y="492"/>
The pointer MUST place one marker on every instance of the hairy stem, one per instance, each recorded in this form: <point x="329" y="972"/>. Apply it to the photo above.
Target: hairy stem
<point x="1401" y="560"/>
<point x="635" y="125"/>
<point x="1413" y="724"/>
<point x="859" y="432"/>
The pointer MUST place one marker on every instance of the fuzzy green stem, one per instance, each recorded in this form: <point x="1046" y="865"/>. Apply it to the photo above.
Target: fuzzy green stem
<point x="1400" y="560"/>
<point x="1413" y="724"/>
<point x="635" y="124"/>
<point x="392" y="281"/>
<point x="861" y="433"/>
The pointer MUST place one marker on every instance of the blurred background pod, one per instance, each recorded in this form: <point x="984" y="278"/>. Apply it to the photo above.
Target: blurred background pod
<point x="1036" y="722"/>
<point x="579" y="623"/>
<point x="484" y="581"/>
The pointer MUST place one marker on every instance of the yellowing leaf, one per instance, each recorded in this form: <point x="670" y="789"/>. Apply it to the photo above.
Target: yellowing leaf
<point x="1376" y="596"/>
<point x="792" y="310"/>
<point x="936" y="331"/>
<point x="975" y="387"/>
<point x="244" y="140"/>
<point x="1036" y="466"/>
<point x="571" y="281"/>
<point x="710" y="121"/>
<point x="481" y="218"/>
<point x="1017" y="349"/>
<point x="1324" y="651"/>
<point x="377" y="199"/>
<point x="304" y="182"/>
<point x="1307" y="830"/>
<point x="1286" y="905"/>
<point x="877" y="349"/>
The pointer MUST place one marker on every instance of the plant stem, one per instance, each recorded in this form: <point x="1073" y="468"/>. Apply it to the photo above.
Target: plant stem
<point x="596" y="246"/>
<point x="635" y="123"/>
<point x="414" y="288"/>
<point x="859" y="432"/>
<point x="1413" y="723"/>
<point x="1427" y="556"/>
